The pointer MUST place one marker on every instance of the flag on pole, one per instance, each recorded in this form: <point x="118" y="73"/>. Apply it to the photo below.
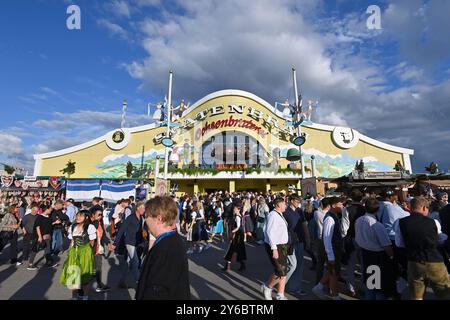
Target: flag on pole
<point x="113" y="191"/>
<point x="83" y="190"/>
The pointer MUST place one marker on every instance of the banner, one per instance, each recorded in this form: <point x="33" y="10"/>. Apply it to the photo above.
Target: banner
<point x="83" y="190"/>
<point x="12" y="183"/>
<point x="7" y="181"/>
<point x="162" y="187"/>
<point x="113" y="191"/>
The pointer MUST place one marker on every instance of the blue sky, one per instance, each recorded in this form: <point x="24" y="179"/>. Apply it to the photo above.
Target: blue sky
<point x="60" y="87"/>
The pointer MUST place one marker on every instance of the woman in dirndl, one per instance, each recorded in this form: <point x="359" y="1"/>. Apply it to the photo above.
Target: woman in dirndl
<point x="79" y="267"/>
<point x="247" y="219"/>
<point x="199" y="232"/>
<point x="217" y="227"/>
<point x="237" y="244"/>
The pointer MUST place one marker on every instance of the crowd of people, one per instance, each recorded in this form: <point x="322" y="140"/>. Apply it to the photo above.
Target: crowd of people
<point x="406" y="241"/>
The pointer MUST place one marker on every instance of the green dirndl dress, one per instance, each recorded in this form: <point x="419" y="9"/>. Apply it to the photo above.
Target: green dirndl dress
<point x="79" y="267"/>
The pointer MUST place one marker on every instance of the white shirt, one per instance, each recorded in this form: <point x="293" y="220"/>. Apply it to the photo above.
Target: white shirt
<point x="400" y="242"/>
<point x="328" y="229"/>
<point x="116" y="215"/>
<point x="371" y="234"/>
<point x="238" y="221"/>
<point x="276" y="230"/>
<point x="127" y="213"/>
<point x="92" y="232"/>
<point x="319" y="214"/>
<point x="345" y="222"/>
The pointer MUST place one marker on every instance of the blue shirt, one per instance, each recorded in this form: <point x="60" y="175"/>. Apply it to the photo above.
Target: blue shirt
<point x="131" y="229"/>
<point x="128" y="212"/>
<point x="295" y="221"/>
<point x="71" y="212"/>
<point x="388" y="214"/>
<point x="371" y="234"/>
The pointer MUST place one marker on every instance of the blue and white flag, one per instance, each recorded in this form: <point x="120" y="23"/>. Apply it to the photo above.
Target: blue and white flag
<point x="83" y="190"/>
<point x="113" y="191"/>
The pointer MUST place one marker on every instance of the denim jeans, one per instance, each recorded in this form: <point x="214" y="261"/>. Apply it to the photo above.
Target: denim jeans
<point x="57" y="241"/>
<point x="320" y="265"/>
<point x="373" y="294"/>
<point x="350" y="268"/>
<point x="295" y="282"/>
<point x="130" y="261"/>
<point x="292" y="265"/>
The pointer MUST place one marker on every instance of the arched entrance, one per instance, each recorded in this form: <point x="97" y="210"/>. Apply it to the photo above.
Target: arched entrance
<point x="233" y="150"/>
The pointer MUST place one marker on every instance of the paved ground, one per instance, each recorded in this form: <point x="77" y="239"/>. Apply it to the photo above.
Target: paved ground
<point x="208" y="282"/>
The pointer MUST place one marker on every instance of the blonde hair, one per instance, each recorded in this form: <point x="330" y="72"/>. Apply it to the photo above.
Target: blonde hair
<point x="419" y="203"/>
<point x="165" y="207"/>
<point x="247" y="206"/>
<point x="200" y="205"/>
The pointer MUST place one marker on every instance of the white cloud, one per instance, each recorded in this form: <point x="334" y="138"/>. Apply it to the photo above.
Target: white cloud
<point x="119" y="8"/>
<point x="113" y="157"/>
<point x="405" y="72"/>
<point x="252" y="45"/>
<point x="148" y="3"/>
<point x="338" y="62"/>
<point x="370" y="159"/>
<point x="418" y="27"/>
<point x="66" y="130"/>
<point x="12" y="145"/>
<point x="113" y="28"/>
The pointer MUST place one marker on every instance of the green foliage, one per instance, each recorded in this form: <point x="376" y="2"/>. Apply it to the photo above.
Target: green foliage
<point x="9" y="169"/>
<point x="69" y="169"/>
<point x="215" y="171"/>
<point x="432" y="168"/>
<point x="130" y="169"/>
<point x="398" y="166"/>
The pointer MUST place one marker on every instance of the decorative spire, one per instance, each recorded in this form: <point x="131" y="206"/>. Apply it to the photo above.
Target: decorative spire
<point x="124" y="113"/>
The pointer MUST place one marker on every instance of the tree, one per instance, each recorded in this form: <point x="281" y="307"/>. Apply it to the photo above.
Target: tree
<point x="432" y="168"/>
<point x="360" y="166"/>
<point x="398" y="166"/>
<point x="130" y="169"/>
<point x="9" y="169"/>
<point x="69" y="169"/>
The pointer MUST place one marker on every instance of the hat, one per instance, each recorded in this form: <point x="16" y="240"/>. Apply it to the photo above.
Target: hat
<point x="70" y="200"/>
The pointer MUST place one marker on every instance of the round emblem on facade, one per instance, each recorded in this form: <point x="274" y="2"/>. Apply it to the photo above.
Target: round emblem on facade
<point x="345" y="138"/>
<point x="118" y="139"/>
<point x="118" y="136"/>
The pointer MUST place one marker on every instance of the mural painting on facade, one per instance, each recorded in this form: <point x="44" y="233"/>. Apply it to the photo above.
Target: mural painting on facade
<point x="334" y="166"/>
<point x="114" y="165"/>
